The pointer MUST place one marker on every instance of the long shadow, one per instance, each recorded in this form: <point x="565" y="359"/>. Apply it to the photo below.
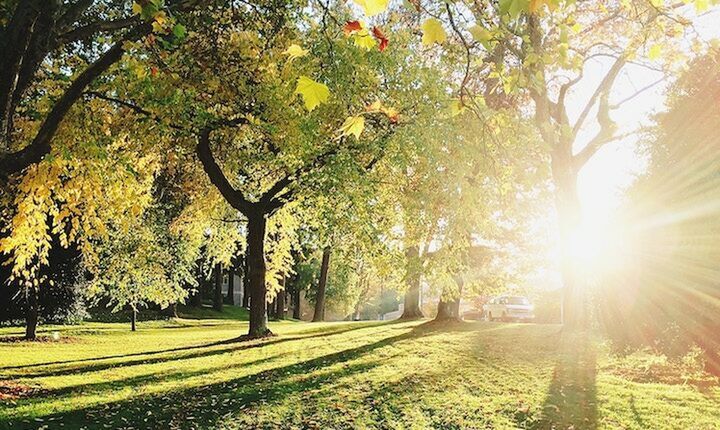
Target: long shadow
<point x="238" y="345"/>
<point x="202" y="407"/>
<point x="571" y="401"/>
<point x="133" y="381"/>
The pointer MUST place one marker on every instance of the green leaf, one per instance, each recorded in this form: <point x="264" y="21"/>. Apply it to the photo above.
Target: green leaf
<point x="179" y="31"/>
<point x="479" y="33"/>
<point x="514" y="7"/>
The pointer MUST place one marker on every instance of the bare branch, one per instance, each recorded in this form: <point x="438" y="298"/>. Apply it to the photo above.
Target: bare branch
<point x="602" y="90"/>
<point x="638" y="92"/>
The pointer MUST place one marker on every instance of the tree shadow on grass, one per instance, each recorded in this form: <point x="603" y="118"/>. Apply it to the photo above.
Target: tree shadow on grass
<point x="571" y="401"/>
<point x="231" y="345"/>
<point x="205" y="406"/>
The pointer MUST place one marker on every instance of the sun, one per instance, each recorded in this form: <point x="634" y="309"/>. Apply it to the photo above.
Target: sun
<point x="595" y="247"/>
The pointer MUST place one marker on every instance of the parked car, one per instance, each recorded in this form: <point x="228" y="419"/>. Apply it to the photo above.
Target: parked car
<point x="509" y="308"/>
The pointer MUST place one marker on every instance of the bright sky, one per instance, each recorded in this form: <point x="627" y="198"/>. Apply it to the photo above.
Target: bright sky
<point x="614" y="167"/>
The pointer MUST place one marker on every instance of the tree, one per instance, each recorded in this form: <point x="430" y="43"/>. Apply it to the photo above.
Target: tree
<point x="69" y="33"/>
<point x="141" y="266"/>
<point x="510" y="52"/>
<point x="266" y="177"/>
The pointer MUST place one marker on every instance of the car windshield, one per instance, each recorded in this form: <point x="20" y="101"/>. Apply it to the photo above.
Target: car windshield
<point x="518" y="301"/>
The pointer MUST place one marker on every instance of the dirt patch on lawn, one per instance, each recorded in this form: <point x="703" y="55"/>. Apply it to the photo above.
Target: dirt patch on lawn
<point x="14" y="391"/>
<point x="39" y="339"/>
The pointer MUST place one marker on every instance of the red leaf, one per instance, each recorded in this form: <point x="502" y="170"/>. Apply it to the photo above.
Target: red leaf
<point x="381" y="38"/>
<point x="351" y="26"/>
<point x="153" y="71"/>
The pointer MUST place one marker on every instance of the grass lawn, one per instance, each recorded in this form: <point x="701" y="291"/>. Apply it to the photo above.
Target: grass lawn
<point x="180" y="374"/>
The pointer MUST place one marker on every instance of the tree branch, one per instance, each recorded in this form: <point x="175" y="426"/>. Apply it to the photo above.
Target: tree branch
<point x="90" y="30"/>
<point x="135" y="108"/>
<point x="40" y="146"/>
<point x="234" y="197"/>
<point x="601" y="91"/>
<point x="273" y="198"/>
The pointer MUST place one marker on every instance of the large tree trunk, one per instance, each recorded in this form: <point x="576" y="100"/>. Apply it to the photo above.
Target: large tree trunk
<point x="231" y="286"/>
<point x="567" y="201"/>
<point x="449" y="309"/>
<point x="256" y="273"/>
<point x="31" y="313"/>
<point x="411" y="307"/>
<point x="319" y="314"/>
<point x="218" y="296"/>
<point x="133" y="319"/>
<point x="246" y="283"/>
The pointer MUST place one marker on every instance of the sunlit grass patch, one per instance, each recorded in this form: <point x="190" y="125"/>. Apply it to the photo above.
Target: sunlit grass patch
<point x="337" y="375"/>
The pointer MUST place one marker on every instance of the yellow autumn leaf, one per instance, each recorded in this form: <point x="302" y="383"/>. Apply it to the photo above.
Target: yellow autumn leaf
<point x="295" y="51"/>
<point x="353" y="125"/>
<point x="480" y="34"/>
<point x="313" y="93"/>
<point x="364" y="39"/>
<point x="654" y="52"/>
<point x="456" y="108"/>
<point x="136" y="8"/>
<point x="160" y="22"/>
<point x="433" y="32"/>
<point x="535" y="5"/>
<point x="375" y="106"/>
<point x="373" y="7"/>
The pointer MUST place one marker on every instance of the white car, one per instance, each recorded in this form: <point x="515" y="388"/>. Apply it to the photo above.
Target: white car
<point x="509" y="308"/>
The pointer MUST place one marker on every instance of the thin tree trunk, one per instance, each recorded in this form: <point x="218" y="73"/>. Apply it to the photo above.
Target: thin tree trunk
<point x="271" y="308"/>
<point x="356" y="312"/>
<point x="296" y="302"/>
<point x="319" y="314"/>
<point x="256" y="269"/>
<point x="31" y="313"/>
<point x="231" y="286"/>
<point x="411" y="307"/>
<point x="196" y="299"/>
<point x="133" y="319"/>
<point x="246" y="283"/>
<point x="218" y="296"/>
<point x="280" y="301"/>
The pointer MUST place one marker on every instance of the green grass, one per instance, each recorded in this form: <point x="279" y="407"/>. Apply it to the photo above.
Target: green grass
<point x="180" y="374"/>
<point x="205" y="312"/>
